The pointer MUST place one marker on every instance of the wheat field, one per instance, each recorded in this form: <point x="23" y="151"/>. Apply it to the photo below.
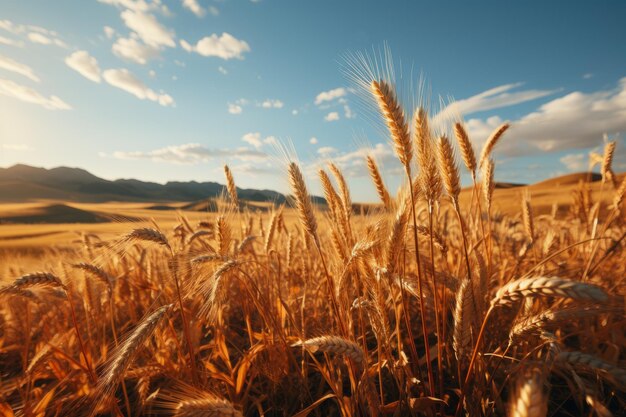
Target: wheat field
<point x="434" y="302"/>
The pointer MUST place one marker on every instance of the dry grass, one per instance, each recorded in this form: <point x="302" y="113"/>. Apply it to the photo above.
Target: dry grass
<point x="441" y="302"/>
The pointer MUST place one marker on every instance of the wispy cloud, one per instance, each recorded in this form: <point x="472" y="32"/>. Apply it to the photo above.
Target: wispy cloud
<point x="574" y="121"/>
<point x="192" y="153"/>
<point x="40" y="38"/>
<point x="194" y="7"/>
<point x="225" y="46"/>
<point x="11" y="42"/>
<point x="30" y="95"/>
<point x="85" y="65"/>
<point x="575" y="161"/>
<point x="125" y="80"/>
<point x="494" y="98"/>
<point x="256" y="139"/>
<point x="9" y="64"/>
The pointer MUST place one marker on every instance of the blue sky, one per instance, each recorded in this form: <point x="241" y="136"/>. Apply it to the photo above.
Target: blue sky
<point x="173" y="89"/>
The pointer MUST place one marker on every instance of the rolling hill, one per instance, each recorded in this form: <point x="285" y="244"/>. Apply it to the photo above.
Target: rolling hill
<point x="20" y="183"/>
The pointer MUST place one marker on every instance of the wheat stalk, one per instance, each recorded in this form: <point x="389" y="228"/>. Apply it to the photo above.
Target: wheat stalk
<point x="593" y="362"/>
<point x="206" y="407"/>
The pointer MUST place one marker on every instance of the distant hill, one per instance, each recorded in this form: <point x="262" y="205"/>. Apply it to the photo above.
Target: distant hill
<point x="21" y="183"/>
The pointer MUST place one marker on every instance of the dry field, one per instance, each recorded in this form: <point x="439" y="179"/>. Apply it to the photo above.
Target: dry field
<point x="486" y="301"/>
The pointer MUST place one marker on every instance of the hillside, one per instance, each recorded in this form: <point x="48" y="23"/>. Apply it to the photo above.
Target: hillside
<point x="21" y="183"/>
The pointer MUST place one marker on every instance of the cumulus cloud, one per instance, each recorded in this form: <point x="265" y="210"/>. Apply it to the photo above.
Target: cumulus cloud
<point x="225" y="46"/>
<point x="574" y="121"/>
<point x="272" y="104"/>
<point x="85" y="65"/>
<point x="109" y="32"/>
<point x="9" y="64"/>
<point x="313" y="140"/>
<point x="253" y="138"/>
<point x="256" y="139"/>
<point x="326" y="151"/>
<point x="234" y="108"/>
<point x="125" y="80"/>
<point x="194" y="7"/>
<point x="192" y="153"/>
<point x="133" y="50"/>
<point x="148" y="28"/>
<point x="332" y="116"/>
<point x="29" y="95"/>
<point x="330" y="95"/>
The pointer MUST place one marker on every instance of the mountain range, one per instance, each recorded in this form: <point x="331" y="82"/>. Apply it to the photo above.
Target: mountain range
<point x="20" y="183"/>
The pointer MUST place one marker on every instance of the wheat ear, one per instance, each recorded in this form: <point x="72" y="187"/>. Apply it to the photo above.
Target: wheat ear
<point x="123" y="355"/>
<point x="463" y="317"/>
<point x="394" y="118"/>
<point x="230" y="186"/>
<point x="206" y="407"/>
<point x="303" y="201"/>
<point x="381" y="189"/>
<point x="449" y="169"/>
<point x="467" y="150"/>
<point x="491" y="143"/>
<point x="529" y="398"/>
<point x="334" y="344"/>
<point x="547" y="287"/>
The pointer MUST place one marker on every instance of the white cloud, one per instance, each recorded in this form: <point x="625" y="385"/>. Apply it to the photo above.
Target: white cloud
<point x="36" y="37"/>
<point x="18" y="68"/>
<point x="10" y="42"/>
<point x="133" y="50"/>
<point x="85" y="65"/>
<point x="136" y="5"/>
<point x="194" y="7"/>
<point x="225" y="46"/>
<point x="148" y="28"/>
<point x="575" y="162"/>
<point x="574" y="121"/>
<point x="332" y="116"/>
<point x="222" y="70"/>
<point x="213" y="10"/>
<point x="253" y="138"/>
<point x="493" y="98"/>
<point x="354" y="164"/>
<point x="294" y="112"/>
<point x="109" y="32"/>
<point x="272" y="104"/>
<point x="29" y="95"/>
<point x="587" y="76"/>
<point x="192" y="153"/>
<point x="17" y="147"/>
<point x="330" y="95"/>
<point x="313" y="141"/>
<point x="347" y="112"/>
<point x="234" y="108"/>
<point x="125" y="80"/>
<point x="152" y="73"/>
<point x="325" y="151"/>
